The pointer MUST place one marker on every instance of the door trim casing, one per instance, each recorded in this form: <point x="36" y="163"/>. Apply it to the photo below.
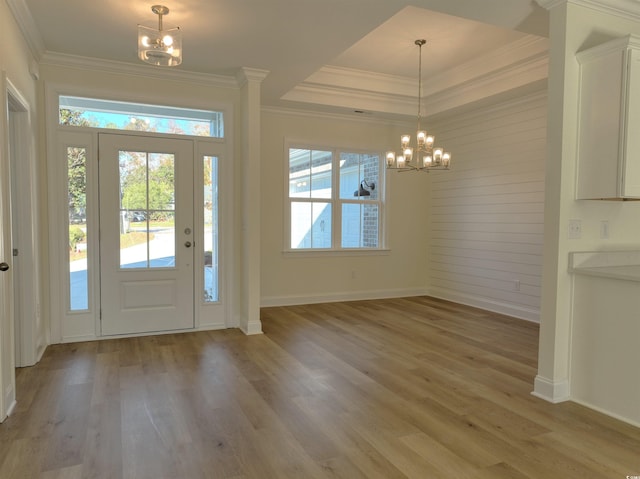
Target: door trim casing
<point x="208" y="317"/>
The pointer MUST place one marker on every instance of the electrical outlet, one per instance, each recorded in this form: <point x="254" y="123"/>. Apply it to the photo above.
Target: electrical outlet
<point x="575" y="229"/>
<point x="604" y="229"/>
<point x="516" y="285"/>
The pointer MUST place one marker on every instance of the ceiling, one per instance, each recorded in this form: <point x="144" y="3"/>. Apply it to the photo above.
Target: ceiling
<point x="325" y="55"/>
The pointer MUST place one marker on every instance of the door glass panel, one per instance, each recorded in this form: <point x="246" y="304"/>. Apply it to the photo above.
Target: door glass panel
<point x="210" y="170"/>
<point x="77" y="190"/>
<point x="147" y="217"/>
<point x="162" y="248"/>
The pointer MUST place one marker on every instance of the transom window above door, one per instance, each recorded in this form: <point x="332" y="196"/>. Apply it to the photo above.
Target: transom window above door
<point x="120" y="115"/>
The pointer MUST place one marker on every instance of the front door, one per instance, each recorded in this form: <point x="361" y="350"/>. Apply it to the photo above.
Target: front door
<point x="146" y="234"/>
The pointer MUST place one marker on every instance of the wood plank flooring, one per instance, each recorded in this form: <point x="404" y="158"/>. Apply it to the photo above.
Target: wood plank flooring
<point x="400" y="388"/>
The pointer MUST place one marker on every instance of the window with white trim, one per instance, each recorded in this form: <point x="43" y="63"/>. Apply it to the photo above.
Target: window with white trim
<point x="334" y="198"/>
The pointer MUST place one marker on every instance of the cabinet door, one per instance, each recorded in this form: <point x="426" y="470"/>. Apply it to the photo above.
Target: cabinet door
<point x="630" y="181"/>
<point x="601" y="82"/>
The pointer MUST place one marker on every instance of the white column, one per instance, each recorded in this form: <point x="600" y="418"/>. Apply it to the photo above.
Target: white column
<point x="250" y="80"/>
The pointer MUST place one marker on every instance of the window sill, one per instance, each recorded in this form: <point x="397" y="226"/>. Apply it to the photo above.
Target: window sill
<point x="323" y="253"/>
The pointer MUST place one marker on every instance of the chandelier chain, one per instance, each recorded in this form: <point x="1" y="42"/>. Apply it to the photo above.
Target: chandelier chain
<point x="420" y="43"/>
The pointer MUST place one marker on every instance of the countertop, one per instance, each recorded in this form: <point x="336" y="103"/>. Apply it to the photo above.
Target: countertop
<point x="624" y="265"/>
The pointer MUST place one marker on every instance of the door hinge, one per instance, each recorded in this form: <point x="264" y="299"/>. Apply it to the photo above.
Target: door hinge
<point x="15" y="251"/>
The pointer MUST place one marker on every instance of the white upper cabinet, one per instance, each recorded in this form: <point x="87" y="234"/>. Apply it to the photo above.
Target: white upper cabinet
<point x="609" y="121"/>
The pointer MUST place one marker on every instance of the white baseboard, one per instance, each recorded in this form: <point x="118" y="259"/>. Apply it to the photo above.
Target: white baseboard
<point x="552" y="391"/>
<point x="606" y="412"/>
<point x="211" y="326"/>
<point x="269" y="301"/>
<point x="11" y="407"/>
<point x="528" y="314"/>
<point x="558" y="391"/>
<point x="254" y="327"/>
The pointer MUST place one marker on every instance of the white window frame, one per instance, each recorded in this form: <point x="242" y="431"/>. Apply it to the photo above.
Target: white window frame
<point x="336" y="202"/>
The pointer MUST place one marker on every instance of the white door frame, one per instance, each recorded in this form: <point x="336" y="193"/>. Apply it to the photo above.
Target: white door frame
<point x="72" y="326"/>
<point x="20" y="327"/>
<point x="29" y="343"/>
<point x="7" y="338"/>
<point x="66" y="326"/>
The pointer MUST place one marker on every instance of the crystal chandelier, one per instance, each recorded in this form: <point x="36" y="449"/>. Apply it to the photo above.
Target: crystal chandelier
<point x="160" y="47"/>
<point x="424" y="156"/>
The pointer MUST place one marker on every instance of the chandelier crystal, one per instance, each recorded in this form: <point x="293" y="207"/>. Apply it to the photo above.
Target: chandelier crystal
<point x="160" y="47"/>
<point x="422" y="156"/>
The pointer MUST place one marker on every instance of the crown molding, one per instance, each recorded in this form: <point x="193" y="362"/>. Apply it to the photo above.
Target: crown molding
<point x="352" y="99"/>
<point x="549" y="4"/>
<point x="351" y="117"/>
<point x="621" y="8"/>
<point x="27" y="26"/>
<point x="110" y="66"/>
<point x="513" y="78"/>
<point x="350" y="78"/>
<point x="247" y="74"/>
<point x="614" y="45"/>
<point x="509" y="68"/>
<point x="503" y="60"/>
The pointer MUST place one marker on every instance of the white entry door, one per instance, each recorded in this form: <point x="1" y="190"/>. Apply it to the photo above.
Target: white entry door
<point x="146" y="234"/>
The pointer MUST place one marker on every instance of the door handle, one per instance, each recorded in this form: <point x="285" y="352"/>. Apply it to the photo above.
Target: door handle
<point x="188" y="244"/>
<point x="4" y="266"/>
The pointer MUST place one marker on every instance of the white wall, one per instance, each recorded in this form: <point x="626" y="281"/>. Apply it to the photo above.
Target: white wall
<point x="486" y="230"/>
<point x="466" y="235"/>
<point x="294" y="278"/>
<point x="14" y="63"/>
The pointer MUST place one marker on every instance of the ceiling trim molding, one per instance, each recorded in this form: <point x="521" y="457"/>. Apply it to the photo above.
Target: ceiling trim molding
<point x="350" y="78"/>
<point x="444" y="94"/>
<point x="354" y="117"/>
<point x="513" y="77"/>
<point x="110" y="66"/>
<point x="527" y="50"/>
<point x="247" y="74"/>
<point x="622" y="8"/>
<point x="530" y="46"/>
<point x="27" y="25"/>
<point x="352" y="99"/>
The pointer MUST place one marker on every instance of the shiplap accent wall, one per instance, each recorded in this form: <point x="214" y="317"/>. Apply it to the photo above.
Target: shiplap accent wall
<point x="486" y="230"/>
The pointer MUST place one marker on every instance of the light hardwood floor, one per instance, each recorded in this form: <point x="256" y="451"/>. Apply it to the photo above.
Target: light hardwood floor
<point x="401" y="388"/>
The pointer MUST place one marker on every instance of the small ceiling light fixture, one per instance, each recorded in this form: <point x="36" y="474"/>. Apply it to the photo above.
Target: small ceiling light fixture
<point x="160" y="47"/>
<point x="424" y="156"/>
